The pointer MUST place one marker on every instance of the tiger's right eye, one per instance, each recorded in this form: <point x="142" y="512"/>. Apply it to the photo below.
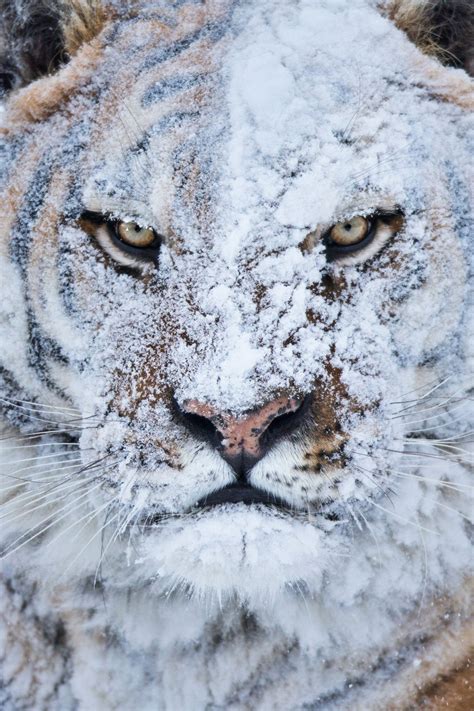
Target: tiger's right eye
<point x="136" y="236"/>
<point x="130" y="243"/>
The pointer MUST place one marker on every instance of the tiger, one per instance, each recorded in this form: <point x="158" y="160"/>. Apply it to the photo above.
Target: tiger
<point x="236" y="354"/>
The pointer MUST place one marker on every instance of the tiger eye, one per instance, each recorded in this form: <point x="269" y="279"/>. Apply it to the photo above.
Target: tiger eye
<point x="134" y="235"/>
<point x="350" y="231"/>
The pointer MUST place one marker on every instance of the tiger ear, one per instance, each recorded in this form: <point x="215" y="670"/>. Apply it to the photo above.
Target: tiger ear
<point x="38" y="36"/>
<point x="441" y="28"/>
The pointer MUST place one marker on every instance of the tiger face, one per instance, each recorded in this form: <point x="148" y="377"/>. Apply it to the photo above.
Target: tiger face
<point x="233" y="247"/>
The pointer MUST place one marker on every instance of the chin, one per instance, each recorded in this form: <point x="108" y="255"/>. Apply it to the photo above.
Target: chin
<point x="254" y="553"/>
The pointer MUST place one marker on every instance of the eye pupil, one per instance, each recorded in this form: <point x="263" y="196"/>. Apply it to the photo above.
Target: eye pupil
<point x="348" y="226"/>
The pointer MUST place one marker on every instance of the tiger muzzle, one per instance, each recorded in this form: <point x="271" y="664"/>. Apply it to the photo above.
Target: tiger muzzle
<point x="243" y="440"/>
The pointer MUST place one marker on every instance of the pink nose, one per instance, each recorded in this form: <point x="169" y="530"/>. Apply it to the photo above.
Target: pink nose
<point x="245" y="439"/>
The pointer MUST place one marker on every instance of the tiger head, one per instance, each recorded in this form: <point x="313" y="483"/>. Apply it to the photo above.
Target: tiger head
<point x="234" y="249"/>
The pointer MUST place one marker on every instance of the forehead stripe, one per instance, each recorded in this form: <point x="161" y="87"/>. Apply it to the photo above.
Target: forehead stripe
<point x="166" y="123"/>
<point x="169" y="86"/>
<point x="213" y="31"/>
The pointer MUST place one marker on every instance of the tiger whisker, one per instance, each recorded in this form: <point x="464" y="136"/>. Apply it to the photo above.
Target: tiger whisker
<point x="13" y="401"/>
<point x="41" y="433"/>
<point x="35" y="416"/>
<point x="367" y="474"/>
<point x="61" y="494"/>
<point x="353" y="515"/>
<point x="439" y="440"/>
<point x="119" y="529"/>
<point x="44" y="481"/>
<point x="401" y="518"/>
<point x="431" y="443"/>
<point x="374" y="167"/>
<point x="452" y="421"/>
<point x="443" y="413"/>
<point x="68" y="477"/>
<point x="47" y="488"/>
<point x="65" y="512"/>
<point x="446" y="401"/>
<point x="428" y="455"/>
<point x="432" y="390"/>
<point x="450" y="508"/>
<point x="44" y="465"/>
<point x="44" y="460"/>
<point x="372" y="533"/>
<point x="96" y="534"/>
<point x="425" y="566"/>
<point x="22" y="479"/>
<point x="440" y="482"/>
<point x="102" y="538"/>
<point x="90" y="515"/>
<point x="15" y="487"/>
<point x="16" y="509"/>
<point x="62" y="483"/>
<point x="42" y="444"/>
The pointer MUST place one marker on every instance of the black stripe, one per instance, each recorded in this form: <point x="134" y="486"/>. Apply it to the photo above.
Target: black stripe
<point x="166" y="123"/>
<point x="73" y="207"/>
<point x="28" y="213"/>
<point x="9" y="153"/>
<point x="172" y="121"/>
<point x="169" y="86"/>
<point x="214" y="31"/>
<point x="10" y="389"/>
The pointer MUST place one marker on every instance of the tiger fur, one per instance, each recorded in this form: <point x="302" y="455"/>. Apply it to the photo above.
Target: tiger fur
<point x="241" y="132"/>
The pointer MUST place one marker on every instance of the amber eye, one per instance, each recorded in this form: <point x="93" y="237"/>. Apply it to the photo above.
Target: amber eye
<point x="359" y="238"/>
<point x="350" y="232"/>
<point x="134" y="235"/>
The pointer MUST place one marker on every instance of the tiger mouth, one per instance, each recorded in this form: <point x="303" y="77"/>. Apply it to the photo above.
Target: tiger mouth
<point x="238" y="493"/>
<point x="248" y="495"/>
<point x="232" y="494"/>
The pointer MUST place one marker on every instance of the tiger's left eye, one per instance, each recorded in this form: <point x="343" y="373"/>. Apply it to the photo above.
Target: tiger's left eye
<point x="350" y="232"/>
<point x="134" y="235"/>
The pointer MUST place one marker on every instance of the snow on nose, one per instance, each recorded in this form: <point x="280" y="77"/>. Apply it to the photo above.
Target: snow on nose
<point x="243" y="440"/>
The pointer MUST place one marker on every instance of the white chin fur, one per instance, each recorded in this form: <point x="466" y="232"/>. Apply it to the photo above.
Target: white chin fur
<point x="244" y="551"/>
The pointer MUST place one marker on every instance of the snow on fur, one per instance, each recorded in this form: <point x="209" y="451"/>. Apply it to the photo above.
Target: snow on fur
<point x="242" y="148"/>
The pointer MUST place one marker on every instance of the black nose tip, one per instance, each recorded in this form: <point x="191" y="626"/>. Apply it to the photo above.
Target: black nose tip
<point x="241" y="463"/>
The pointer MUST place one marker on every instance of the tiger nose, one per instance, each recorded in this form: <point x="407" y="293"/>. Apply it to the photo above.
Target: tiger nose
<point x="242" y="441"/>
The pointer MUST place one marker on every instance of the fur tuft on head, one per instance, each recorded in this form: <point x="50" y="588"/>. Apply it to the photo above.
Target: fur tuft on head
<point x="37" y="36"/>
<point x="84" y="20"/>
<point x="441" y="28"/>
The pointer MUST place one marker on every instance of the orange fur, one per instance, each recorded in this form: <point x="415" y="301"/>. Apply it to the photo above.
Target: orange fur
<point x="85" y="21"/>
